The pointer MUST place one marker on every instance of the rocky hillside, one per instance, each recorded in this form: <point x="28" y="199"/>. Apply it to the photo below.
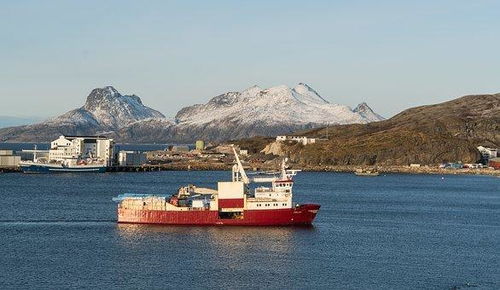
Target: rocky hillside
<point x="433" y="134"/>
<point x="252" y="112"/>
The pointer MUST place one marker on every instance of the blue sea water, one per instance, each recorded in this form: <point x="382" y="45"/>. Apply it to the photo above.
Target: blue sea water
<point x="387" y="232"/>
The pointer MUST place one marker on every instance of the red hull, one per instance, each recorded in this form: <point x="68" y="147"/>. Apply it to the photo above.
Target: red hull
<point x="301" y="215"/>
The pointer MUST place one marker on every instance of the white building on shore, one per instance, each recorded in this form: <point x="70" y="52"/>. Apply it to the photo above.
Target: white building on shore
<point x="82" y="147"/>
<point x="300" y="139"/>
<point x="487" y="153"/>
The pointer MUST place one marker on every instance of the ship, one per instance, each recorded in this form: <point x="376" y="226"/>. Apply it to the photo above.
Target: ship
<point x="60" y="167"/>
<point x="233" y="203"/>
<point x="42" y="165"/>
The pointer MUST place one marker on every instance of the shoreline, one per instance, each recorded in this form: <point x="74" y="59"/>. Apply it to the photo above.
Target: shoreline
<point x="191" y="166"/>
<point x="406" y="170"/>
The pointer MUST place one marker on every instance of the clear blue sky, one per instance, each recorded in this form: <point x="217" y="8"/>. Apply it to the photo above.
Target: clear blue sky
<point x="391" y="54"/>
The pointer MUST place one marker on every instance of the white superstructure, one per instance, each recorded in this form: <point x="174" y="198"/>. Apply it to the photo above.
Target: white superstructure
<point x="276" y="196"/>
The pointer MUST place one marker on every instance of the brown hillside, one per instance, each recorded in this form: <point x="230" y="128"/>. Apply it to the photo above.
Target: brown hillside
<point x="431" y="134"/>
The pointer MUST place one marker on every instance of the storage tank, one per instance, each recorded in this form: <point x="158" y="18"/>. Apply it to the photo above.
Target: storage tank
<point x="200" y="145"/>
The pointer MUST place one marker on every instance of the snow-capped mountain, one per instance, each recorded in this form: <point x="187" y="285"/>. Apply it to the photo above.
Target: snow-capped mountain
<point x="105" y="111"/>
<point x="296" y="106"/>
<point x="251" y="112"/>
<point x="266" y="112"/>
<point x="108" y="109"/>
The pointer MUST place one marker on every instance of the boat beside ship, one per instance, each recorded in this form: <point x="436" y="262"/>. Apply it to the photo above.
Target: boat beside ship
<point x="232" y="203"/>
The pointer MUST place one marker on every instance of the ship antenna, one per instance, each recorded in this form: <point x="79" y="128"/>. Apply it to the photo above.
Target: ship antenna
<point x="243" y="175"/>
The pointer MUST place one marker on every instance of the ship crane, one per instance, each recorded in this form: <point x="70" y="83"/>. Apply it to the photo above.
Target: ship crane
<point x="239" y="173"/>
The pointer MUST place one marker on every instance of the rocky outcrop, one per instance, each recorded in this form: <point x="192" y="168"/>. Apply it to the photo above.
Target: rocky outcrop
<point x="274" y="148"/>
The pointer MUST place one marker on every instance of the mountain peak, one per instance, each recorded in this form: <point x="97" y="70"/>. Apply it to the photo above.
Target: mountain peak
<point x="99" y="95"/>
<point x="115" y="110"/>
<point x="111" y="90"/>
<point x="362" y="107"/>
<point x="305" y="90"/>
<point x="305" y="87"/>
<point x="254" y="88"/>
<point x="364" y="110"/>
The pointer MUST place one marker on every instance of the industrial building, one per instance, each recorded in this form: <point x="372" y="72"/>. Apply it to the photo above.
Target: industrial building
<point x="74" y="147"/>
<point x="8" y="159"/>
<point x="131" y="158"/>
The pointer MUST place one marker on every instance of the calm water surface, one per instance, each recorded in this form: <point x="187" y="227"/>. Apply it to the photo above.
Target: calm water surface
<point x="394" y="231"/>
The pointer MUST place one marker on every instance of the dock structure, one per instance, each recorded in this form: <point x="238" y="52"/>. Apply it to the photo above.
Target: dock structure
<point x="134" y="168"/>
<point x="146" y="167"/>
<point x="9" y="169"/>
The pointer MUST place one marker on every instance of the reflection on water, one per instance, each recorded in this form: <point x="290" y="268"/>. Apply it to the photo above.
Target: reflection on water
<point x="229" y="248"/>
<point x="233" y="236"/>
<point x="228" y="239"/>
